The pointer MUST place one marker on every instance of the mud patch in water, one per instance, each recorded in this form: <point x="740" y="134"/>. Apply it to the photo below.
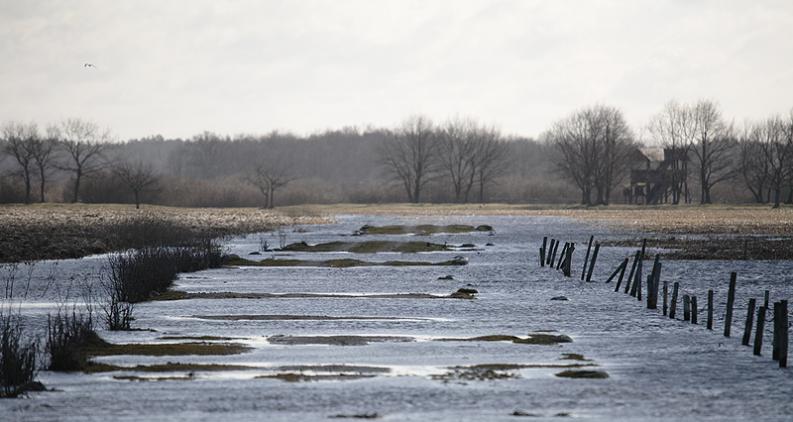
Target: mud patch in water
<point x="336" y="340"/>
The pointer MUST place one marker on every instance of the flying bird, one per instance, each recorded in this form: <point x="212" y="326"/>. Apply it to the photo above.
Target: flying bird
<point x="89" y="65"/>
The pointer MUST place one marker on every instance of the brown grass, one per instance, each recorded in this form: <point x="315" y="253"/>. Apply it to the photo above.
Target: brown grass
<point x="718" y="218"/>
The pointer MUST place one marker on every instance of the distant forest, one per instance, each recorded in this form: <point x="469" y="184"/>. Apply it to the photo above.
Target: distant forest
<point x="589" y="157"/>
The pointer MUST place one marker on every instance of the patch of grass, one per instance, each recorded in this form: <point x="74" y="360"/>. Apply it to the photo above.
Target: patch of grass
<point x="367" y="247"/>
<point x="585" y="374"/>
<point x="299" y="377"/>
<point x="96" y="367"/>
<point x="148" y="379"/>
<point x="68" y="336"/>
<point x="536" y="338"/>
<point x="421" y="230"/>
<point x="17" y="357"/>
<point x="234" y="260"/>
<point x="168" y="349"/>
<point x="574" y="356"/>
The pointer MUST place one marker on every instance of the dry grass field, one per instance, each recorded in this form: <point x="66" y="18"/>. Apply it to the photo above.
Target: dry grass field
<point x="680" y="219"/>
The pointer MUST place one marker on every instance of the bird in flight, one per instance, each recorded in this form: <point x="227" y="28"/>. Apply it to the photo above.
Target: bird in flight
<point x="89" y="65"/>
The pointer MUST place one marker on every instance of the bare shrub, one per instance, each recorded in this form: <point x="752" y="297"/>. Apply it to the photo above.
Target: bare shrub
<point x="17" y="356"/>
<point x="67" y="337"/>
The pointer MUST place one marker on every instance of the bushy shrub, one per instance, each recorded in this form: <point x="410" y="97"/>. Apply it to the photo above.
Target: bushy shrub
<point x="17" y="357"/>
<point x="67" y="337"/>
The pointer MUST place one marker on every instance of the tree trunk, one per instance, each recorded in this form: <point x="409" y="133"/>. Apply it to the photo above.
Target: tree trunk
<point x="42" y="176"/>
<point x="137" y="199"/>
<point x="77" y="176"/>
<point x="27" y="186"/>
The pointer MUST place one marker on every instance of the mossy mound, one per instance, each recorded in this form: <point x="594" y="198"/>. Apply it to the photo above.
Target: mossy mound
<point x="586" y="374"/>
<point x="373" y="246"/>
<point x="234" y="260"/>
<point x="422" y="230"/>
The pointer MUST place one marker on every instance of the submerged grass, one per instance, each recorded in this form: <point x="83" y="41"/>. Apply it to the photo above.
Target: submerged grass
<point x="535" y="338"/>
<point x="234" y="260"/>
<point x="585" y="374"/>
<point x="373" y="246"/>
<point x="422" y="230"/>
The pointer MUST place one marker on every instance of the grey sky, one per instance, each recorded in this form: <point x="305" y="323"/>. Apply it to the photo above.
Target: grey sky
<point x="178" y="68"/>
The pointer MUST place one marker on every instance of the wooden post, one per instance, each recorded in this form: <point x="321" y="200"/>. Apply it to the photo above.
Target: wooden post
<point x="562" y="255"/>
<point x="566" y="268"/>
<point x="765" y="298"/>
<point x="542" y="251"/>
<point x="666" y="297"/>
<point x="758" y="334"/>
<point x="686" y="308"/>
<point x="620" y="267"/>
<point x="586" y="259"/>
<point x="673" y="308"/>
<point x="747" y="331"/>
<point x="775" y="331"/>
<point x="730" y="303"/>
<point x="710" y="309"/>
<point x="652" y="285"/>
<point x="549" y="251"/>
<point x="629" y="282"/>
<point x="592" y="263"/>
<point x="553" y="253"/>
<point x="637" y="282"/>
<point x="783" y="333"/>
<point x="693" y="309"/>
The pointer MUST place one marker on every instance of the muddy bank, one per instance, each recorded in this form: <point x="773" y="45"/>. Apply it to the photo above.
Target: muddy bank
<point x="717" y="247"/>
<point x="422" y="230"/>
<point x="535" y="338"/>
<point x="234" y="260"/>
<point x="260" y="317"/>
<point x="60" y="231"/>
<point x="167" y="349"/>
<point x="180" y="295"/>
<point x="373" y="246"/>
<point x="336" y="340"/>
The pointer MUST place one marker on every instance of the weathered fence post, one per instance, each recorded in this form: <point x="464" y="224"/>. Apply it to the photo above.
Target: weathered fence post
<point x="592" y="263"/>
<point x="758" y="334"/>
<point x="686" y="308"/>
<point x="542" y="251"/>
<point x="586" y="259"/>
<point x="553" y="253"/>
<point x="568" y="260"/>
<point x="673" y="308"/>
<point x="549" y="252"/>
<point x="693" y="309"/>
<point x="629" y="281"/>
<point x="710" y="309"/>
<point x="666" y="297"/>
<point x="562" y="255"/>
<point x="637" y="282"/>
<point x="622" y="274"/>
<point x="783" y="333"/>
<point x="730" y="303"/>
<point x="620" y="267"/>
<point x="775" y="332"/>
<point x="747" y="331"/>
<point x="652" y="285"/>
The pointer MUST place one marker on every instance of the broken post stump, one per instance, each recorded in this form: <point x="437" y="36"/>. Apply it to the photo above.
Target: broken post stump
<point x="730" y="304"/>
<point x="747" y="331"/>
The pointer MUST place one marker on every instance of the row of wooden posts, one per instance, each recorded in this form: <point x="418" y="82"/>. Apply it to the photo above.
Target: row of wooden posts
<point x="633" y="287"/>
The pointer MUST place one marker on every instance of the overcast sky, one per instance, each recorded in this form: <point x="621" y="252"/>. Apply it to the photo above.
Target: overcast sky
<point x="177" y="68"/>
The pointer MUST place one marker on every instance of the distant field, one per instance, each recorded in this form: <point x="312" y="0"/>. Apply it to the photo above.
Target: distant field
<point x="692" y="219"/>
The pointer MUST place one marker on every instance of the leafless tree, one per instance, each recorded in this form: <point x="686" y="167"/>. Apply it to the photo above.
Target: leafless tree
<point x="411" y="155"/>
<point x="593" y="144"/>
<point x="714" y="142"/>
<point x="489" y="157"/>
<point x="138" y="176"/>
<point x="675" y="128"/>
<point x="20" y="140"/>
<point x="268" y="176"/>
<point x="44" y="156"/>
<point x="753" y="165"/>
<point x="458" y="145"/>
<point x="84" y="143"/>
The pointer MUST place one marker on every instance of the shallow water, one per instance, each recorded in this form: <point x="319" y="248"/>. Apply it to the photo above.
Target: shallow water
<point x="659" y="369"/>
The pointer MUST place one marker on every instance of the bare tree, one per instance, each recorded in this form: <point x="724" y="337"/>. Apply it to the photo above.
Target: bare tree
<point x="84" y="143"/>
<point x="675" y="128"/>
<point x="593" y="144"/>
<point x="753" y="166"/>
<point x="457" y="143"/>
<point x="268" y="176"/>
<point x="44" y="156"/>
<point x="138" y="176"/>
<point x="489" y="157"/>
<point x="713" y="147"/>
<point x="20" y="140"/>
<point x="411" y="155"/>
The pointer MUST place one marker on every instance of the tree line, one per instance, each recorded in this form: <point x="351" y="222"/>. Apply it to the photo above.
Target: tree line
<point x="584" y="157"/>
